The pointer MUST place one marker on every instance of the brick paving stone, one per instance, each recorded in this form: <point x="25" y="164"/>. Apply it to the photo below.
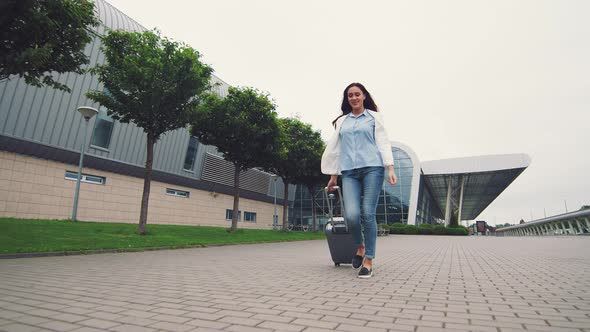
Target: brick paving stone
<point x="18" y="328"/>
<point x="196" y="308"/>
<point x="436" y="329"/>
<point x="470" y="327"/>
<point x="256" y="310"/>
<point x="99" y="323"/>
<point x="132" y="328"/>
<point x="76" y="311"/>
<point x="302" y="315"/>
<point x="170" y="318"/>
<point x="58" y="326"/>
<point x="281" y="326"/>
<point x="273" y="318"/>
<point x="550" y="329"/>
<point x="103" y="315"/>
<point x="427" y="317"/>
<point x="368" y="328"/>
<point x="341" y="320"/>
<point x="110" y="309"/>
<point x="70" y="318"/>
<point x="136" y="321"/>
<point x="207" y="324"/>
<point x="315" y="329"/>
<point x="238" y="328"/>
<point x="138" y="313"/>
<point x="166" y="326"/>
<point x="578" y="325"/>
<point x="465" y="283"/>
<point x="87" y="329"/>
<point x="204" y="315"/>
<point x="240" y="321"/>
<point x="30" y="320"/>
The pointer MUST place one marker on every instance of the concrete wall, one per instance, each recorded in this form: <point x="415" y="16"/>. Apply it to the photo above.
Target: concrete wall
<point x="31" y="187"/>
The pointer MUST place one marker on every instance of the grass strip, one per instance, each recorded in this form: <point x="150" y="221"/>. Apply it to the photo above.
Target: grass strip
<point x="39" y="235"/>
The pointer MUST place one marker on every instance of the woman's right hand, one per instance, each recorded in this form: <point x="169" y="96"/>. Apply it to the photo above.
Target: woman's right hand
<point x="332" y="183"/>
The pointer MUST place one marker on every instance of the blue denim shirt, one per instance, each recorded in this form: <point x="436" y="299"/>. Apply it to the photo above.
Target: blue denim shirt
<point x="358" y="147"/>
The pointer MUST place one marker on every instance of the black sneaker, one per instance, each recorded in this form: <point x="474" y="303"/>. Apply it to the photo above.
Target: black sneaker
<point x="357" y="261"/>
<point x="365" y="273"/>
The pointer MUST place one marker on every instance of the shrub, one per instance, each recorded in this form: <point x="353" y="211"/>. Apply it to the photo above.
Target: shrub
<point x="439" y="230"/>
<point x="457" y="230"/>
<point x="425" y="229"/>
<point x="410" y="229"/>
<point x="397" y="228"/>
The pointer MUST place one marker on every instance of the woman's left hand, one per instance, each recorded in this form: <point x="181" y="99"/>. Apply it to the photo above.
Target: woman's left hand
<point x="391" y="178"/>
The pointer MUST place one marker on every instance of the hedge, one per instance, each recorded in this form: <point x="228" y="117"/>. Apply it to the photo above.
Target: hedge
<point x="425" y="229"/>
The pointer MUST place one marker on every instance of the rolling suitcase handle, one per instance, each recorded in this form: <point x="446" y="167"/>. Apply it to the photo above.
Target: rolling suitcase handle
<point x="329" y="199"/>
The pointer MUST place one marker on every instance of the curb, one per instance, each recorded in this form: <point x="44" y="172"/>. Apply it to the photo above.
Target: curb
<point x="92" y="252"/>
<point x="124" y="250"/>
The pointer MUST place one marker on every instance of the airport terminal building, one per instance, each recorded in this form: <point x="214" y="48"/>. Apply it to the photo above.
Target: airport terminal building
<point x="41" y="134"/>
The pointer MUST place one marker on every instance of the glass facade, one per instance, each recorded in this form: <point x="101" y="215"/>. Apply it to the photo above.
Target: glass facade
<point x="394" y="201"/>
<point x="428" y="211"/>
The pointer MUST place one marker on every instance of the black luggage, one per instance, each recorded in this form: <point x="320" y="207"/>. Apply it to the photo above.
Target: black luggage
<point x="342" y="247"/>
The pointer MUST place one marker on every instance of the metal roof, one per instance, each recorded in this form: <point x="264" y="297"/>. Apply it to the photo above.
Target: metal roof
<point x="483" y="177"/>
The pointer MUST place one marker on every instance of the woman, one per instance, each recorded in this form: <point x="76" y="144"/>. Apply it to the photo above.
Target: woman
<point x="359" y="149"/>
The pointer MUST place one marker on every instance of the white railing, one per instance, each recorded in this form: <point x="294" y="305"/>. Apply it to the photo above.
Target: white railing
<point x="572" y="223"/>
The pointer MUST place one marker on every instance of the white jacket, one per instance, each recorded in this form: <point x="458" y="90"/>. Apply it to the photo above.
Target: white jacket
<point x="331" y="155"/>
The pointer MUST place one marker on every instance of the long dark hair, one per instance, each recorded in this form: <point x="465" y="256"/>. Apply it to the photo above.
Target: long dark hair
<point x="368" y="103"/>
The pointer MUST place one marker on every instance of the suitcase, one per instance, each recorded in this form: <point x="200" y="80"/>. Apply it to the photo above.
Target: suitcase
<point x="342" y="247"/>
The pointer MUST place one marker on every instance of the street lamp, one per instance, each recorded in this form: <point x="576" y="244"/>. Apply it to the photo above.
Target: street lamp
<point x="87" y="113"/>
<point x="275" y="219"/>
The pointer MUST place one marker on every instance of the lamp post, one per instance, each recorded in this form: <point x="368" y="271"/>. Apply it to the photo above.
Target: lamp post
<point x="274" y="216"/>
<point x="87" y="113"/>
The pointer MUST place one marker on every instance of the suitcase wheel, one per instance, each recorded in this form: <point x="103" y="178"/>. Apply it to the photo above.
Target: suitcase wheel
<point x="337" y="264"/>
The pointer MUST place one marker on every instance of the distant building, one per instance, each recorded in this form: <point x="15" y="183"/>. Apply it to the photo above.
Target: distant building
<point x="432" y="191"/>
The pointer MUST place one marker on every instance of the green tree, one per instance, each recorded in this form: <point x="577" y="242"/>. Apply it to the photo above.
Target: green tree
<point x="39" y="37"/>
<point x="312" y="178"/>
<point x="153" y="82"/>
<point x="300" y="164"/>
<point x="244" y="128"/>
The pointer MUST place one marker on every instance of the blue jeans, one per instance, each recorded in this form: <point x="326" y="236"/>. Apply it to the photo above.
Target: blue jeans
<point x="361" y="188"/>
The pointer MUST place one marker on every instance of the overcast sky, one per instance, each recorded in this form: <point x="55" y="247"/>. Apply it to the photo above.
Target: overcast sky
<point x="452" y="78"/>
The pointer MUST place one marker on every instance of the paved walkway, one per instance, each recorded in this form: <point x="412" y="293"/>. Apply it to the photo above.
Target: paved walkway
<point x="420" y="284"/>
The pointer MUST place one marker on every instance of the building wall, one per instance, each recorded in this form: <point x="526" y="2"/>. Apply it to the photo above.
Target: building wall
<point x="36" y="188"/>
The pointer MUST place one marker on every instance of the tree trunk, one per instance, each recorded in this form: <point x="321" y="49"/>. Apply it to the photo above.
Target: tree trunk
<point x="234" y="218"/>
<point x="285" y="205"/>
<point x="313" y="214"/>
<point x="147" y="180"/>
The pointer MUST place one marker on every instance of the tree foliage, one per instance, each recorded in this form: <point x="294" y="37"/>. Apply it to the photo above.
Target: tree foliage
<point x="39" y="37"/>
<point x="301" y="162"/>
<point x="244" y="128"/>
<point x="153" y="82"/>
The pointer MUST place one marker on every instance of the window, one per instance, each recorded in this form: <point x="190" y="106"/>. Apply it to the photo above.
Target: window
<point x="230" y="213"/>
<point x="103" y="128"/>
<point x="73" y="176"/>
<point x="176" y="192"/>
<point x="191" y="154"/>
<point x="250" y="216"/>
